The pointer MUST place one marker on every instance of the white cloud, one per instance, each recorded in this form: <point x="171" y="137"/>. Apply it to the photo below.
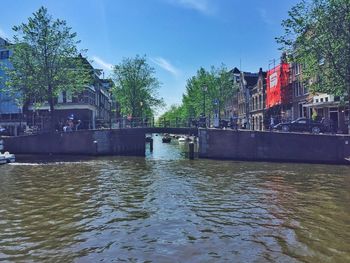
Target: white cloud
<point x="201" y="6"/>
<point x="166" y="65"/>
<point x="103" y="64"/>
<point x="264" y="16"/>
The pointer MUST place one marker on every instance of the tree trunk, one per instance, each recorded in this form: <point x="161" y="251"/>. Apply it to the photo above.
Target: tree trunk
<point x="25" y="111"/>
<point x="348" y="118"/>
<point x="52" y="110"/>
<point x="348" y="88"/>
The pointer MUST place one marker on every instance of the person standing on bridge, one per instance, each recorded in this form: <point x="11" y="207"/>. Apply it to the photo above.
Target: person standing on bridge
<point x="272" y="123"/>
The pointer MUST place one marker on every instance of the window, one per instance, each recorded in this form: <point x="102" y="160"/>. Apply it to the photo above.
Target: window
<point x="260" y="102"/>
<point x="4" y="54"/>
<point x="326" y="99"/>
<point x="304" y="112"/>
<point x="296" y="69"/>
<point x="64" y="94"/>
<point x="300" y="110"/>
<point x="321" y="100"/>
<point x="256" y="103"/>
<point x="69" y="97"/>
<point x="300" y="88"/>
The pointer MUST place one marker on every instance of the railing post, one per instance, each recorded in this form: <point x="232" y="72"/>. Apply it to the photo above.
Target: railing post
<point x="151" y="145"/>
<point x="191" y="150"/>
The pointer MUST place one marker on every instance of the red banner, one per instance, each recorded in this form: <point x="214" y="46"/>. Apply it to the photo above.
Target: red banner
<point x="277" y="88"/>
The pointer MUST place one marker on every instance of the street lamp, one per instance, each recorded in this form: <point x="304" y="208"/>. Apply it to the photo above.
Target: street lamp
<point x="204" y="89"/>
<point x="141" y="104"/>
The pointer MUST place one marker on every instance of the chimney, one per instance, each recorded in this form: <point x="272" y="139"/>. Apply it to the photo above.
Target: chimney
<point x="284" y="57"/>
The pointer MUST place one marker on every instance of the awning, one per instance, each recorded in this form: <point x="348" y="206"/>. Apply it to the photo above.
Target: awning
<point x="322" y="104"/>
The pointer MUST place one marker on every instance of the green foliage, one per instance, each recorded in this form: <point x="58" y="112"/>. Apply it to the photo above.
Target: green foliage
<point x="45" y="61"/>
<point x="317" y="33"/>
<point x="202" y="90"/>
<point x="136" y="87"/>
<point x="45" y="58"/>
<point x="175" y="114"/>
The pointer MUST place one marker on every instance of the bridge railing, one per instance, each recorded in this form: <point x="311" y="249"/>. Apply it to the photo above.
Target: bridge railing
<point x="174" y="123"/>
<point x="137" y="122"/>
<point x="134" y="122"/>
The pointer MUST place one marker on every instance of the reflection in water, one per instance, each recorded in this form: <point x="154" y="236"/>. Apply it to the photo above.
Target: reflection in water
<point x="165" y="208"/>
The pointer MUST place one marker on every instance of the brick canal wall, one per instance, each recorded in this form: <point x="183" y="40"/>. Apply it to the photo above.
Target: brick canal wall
<point x="273" y="146"/>
<point x="93" y="142"/>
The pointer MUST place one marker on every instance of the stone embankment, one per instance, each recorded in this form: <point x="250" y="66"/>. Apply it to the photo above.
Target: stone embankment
<point x="90" y="142"/>
<point x="213" y="144"/>
<point x="274" y="146"/>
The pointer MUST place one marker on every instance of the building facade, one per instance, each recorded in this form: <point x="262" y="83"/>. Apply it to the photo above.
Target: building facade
<point x="91" y="108"/>
<point x="257" y="103"/>
<point x="330" y="108"/>
<point x="247" y="82"/>
<point x="301" y="95"/>
<point x="231" y="104"/>
<point x="11" y="117"/>
<point x="318" y="106"/>
<point x="278" y="94"/>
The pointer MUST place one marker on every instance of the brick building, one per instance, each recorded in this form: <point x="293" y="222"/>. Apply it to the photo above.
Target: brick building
<point x="257" y="103"/>
<point x="247" y="82"/>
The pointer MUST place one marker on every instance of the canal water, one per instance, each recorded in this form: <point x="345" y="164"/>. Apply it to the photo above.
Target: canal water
<point x="166" y="208"/>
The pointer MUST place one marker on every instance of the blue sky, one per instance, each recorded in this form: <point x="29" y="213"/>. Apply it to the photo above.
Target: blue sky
<point x="177" y="36"/>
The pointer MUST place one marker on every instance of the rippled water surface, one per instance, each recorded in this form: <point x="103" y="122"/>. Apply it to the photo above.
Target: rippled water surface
<point x="165" y="208"/>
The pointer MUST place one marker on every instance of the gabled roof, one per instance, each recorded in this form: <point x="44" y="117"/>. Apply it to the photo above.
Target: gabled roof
<point x="4" y="42"/>
<point x="235" y="70"/>
<point x="250" y="78"/>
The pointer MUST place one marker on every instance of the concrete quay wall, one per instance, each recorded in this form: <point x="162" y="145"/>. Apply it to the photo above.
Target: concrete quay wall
<point x="92" y="142"/>
<point x="273" y="146"/>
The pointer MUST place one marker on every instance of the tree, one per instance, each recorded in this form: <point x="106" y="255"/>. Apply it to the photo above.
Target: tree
<point x="205" y="92"/>
<point x="136" y="87"/>
<point x="317" y="32"/>
<point x="175" y="115"/>
<point x="45" y="61"/>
